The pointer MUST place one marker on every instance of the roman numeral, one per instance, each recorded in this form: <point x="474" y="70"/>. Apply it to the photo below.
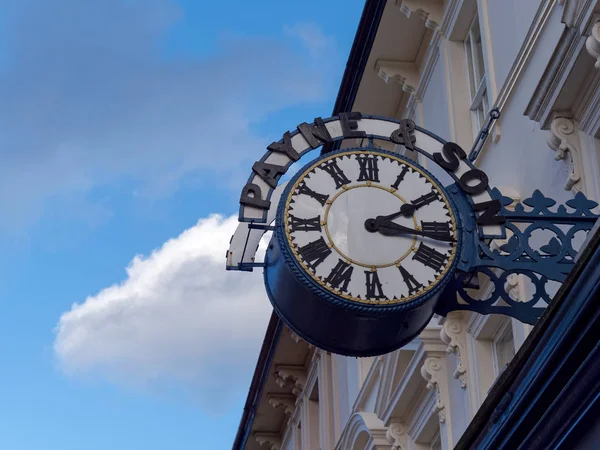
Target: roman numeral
<point x="315" y="252"/>
<point x="430" y="257"/>
<point x="340" y="275"/>
<point x="374" y="288"/>
<point x="368" y="168"/>
<point x="400" y="177"/>
<point x="304" y="189"/>
<point x="425" y="199"/>
<point x="312" y="224"/>
<point x="332" y="168"/>
<point x="439" y="229"/>
<point x="410" y="281"/>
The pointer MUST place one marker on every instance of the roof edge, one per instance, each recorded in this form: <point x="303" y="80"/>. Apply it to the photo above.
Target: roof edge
<point x="357" y="60"/>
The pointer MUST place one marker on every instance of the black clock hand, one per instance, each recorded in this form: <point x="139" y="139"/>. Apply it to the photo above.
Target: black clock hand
<point x="408" y="209"/>
<point x="388" y="228"/>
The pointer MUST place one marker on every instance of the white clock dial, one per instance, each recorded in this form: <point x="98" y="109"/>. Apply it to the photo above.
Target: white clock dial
<point x="370" y="227"/>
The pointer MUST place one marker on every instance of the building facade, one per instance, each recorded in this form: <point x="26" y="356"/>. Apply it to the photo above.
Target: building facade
<point x="446" y="64"/>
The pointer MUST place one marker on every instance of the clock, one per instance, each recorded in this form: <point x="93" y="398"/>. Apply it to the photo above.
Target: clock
<point x="365" y="240"/>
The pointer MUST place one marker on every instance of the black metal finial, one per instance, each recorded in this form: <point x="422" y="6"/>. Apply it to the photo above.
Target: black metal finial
<point x="483" y="134"/>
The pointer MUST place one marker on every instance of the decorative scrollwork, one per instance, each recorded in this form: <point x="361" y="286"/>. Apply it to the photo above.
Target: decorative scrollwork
<point x="550" y="260"/>
<point x="553" y="259"/>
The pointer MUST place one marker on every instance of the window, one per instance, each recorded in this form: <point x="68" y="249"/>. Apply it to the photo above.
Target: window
<point x="503" y="347"/>
<point x="477" y="80"/>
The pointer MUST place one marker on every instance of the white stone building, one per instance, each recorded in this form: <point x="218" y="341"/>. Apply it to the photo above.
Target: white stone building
<point x="444" y="64"/>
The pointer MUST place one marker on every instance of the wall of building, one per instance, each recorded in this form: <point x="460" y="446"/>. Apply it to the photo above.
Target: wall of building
<point x="424" y="396"/>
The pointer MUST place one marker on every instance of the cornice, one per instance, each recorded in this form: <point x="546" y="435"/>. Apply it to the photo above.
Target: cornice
<point x="562" y="61"/>
<point x="578" y="34"/>
<point x="520" y="63"/>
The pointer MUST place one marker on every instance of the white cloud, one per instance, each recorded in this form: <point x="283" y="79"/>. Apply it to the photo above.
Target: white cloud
<point x="178" y="319"/>
<point x="312" y="37"/>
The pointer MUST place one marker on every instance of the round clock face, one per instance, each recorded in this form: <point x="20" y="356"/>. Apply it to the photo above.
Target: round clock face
<point x="370" y="227"/>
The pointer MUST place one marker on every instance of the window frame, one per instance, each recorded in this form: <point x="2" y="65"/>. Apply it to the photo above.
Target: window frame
<point x="499" y="337"/>
<point x="477" y="75"/>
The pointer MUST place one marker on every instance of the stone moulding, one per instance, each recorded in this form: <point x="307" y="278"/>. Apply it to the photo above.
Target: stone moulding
<point x="453" y="334"/>
<point x="272" y="441"/>
<point x="295" y="376"/>
<point x="396" y="435"/>
<point x="404" y="74"/>
<point x="431" y="11"/>
<point x="434" y="372"/>
<point x="592" y="44"/>
<point x="288" y="402"/>
<point x="563" y="139"/>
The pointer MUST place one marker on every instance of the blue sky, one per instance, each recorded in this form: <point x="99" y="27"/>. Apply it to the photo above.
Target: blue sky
<point x="127" y="128"/>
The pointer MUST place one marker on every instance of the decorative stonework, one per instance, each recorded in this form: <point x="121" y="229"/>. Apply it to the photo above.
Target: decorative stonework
<point x="293" y="376"/>
<point x="563" y="140"/>
<point x="295" y="337"/>
<point x="431" y="11"/>
<point x="288" y="402"/>
<point x="403" y="73"/>
<point x="514" y="287"/>
<point x="396" y="435"/>
<point x="454" y="335"/>
<point x="271" y="441"/>
<point x="592" y="44"/>
<point x="434" y="372"/>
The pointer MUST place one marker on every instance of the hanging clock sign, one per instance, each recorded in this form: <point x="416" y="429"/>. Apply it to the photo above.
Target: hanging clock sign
<point x="365" y="240"/>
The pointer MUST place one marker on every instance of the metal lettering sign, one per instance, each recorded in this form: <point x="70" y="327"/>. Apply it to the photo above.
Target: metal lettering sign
<point x="368" y="245"/>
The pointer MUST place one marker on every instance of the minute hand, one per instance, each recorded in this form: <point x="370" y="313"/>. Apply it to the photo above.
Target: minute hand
<point x="388" y="228"/>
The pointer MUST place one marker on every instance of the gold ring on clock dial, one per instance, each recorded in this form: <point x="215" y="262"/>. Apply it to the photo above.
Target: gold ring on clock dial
<point x="324" y="222"/>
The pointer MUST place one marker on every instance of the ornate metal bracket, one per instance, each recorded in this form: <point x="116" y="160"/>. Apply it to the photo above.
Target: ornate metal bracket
<point x="539" y="247"/>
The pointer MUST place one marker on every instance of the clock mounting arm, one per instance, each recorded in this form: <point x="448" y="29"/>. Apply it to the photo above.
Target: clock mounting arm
<point x="539" y="248"/>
